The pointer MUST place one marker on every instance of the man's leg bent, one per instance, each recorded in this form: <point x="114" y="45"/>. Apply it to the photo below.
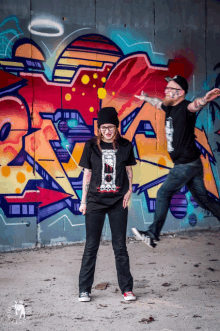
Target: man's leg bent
<point x="178" y="176"/>
<point x="200" y="194"/>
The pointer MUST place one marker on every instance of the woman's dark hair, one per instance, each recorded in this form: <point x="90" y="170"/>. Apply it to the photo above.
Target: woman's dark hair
<point x="116" y="136"/>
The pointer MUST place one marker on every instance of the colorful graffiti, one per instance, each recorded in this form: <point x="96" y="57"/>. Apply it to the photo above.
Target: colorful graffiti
<point x="45" y="122"/>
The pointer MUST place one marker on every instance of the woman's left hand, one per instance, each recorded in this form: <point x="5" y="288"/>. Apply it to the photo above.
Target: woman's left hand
<point x="126" y="198"/>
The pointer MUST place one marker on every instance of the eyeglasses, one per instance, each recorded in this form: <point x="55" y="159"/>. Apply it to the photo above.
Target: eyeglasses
<point x="109" y="128"/>
<point x="172" y="89"/>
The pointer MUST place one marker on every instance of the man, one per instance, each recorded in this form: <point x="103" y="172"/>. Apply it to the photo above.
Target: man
<point x="188" y="169"/>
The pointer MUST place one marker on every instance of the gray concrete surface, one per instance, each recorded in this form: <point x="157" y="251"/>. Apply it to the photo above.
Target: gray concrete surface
<point x="185" y="31"/>
<point x="177" y="284"/>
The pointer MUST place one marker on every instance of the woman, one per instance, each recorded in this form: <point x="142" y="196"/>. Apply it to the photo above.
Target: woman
<point x="107" y="187"/>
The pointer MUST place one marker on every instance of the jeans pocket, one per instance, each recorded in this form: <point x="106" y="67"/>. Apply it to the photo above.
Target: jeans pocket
<point x="180" y="171"/>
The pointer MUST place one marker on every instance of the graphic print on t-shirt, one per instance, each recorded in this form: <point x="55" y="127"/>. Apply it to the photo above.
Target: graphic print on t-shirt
<point x="108" y="171"/>
<point x="169" y="134"/>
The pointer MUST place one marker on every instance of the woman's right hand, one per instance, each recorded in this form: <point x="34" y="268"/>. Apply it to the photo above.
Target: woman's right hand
<point x="82" y="208"/>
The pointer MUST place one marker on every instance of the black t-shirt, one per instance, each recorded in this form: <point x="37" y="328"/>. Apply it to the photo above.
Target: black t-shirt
<point x="179" y="127"/>
<point x="109" y="180"/>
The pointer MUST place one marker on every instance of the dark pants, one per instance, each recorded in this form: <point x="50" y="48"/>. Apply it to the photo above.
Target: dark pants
<point x="191" y="175"/>
<point x="94" y="225"/>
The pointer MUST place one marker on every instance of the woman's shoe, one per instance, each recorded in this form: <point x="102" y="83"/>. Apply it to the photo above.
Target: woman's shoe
<point x="129" y="296"/>
<point x="84" y="297"/>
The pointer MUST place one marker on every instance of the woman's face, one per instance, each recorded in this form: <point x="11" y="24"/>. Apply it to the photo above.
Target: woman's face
<point x="108" y="132"/>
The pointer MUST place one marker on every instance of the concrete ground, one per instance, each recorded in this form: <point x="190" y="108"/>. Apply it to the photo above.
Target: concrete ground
<point x="177" y="287"/>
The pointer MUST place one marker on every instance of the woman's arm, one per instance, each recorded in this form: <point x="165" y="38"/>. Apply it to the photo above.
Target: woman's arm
<point x="130" y="179"/>
<point x="130" y="176"/>
<point x="85" y="187"/>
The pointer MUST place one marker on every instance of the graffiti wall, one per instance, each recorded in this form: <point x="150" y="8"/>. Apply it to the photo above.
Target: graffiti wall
<point x="54" y="77"/>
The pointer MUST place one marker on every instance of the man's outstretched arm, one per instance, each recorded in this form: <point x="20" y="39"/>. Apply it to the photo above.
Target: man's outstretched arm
<point x="199" y="103"/>
<point x="155" y="102"/>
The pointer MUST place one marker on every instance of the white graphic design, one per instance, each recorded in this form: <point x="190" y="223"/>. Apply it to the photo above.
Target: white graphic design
<point x="17" y="312"/>
<point x="169" y="134"/>
<point x="108" y="171"/>
<point x="19" y="309"/>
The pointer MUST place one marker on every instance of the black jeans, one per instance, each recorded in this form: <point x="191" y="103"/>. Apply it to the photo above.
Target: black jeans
<point x="94" y="225"/>
<point x="191" y="175"/>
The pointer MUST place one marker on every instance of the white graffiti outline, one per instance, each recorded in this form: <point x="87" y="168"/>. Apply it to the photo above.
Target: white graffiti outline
<point x="64" y="223"/>
<point x="141" y="210"/>
<point x="142" y="42"/>
<point x="28" y="223"/>
<point x="74" y="159"/>
<point x="10" y="42"/>
<point x="193" y="88"/>
<point x="43" y="22"/>
<point x="63" y="40"/>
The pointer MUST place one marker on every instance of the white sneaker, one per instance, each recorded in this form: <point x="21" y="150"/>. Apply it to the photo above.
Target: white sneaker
<point x="129" y="296"/>
<point x="138" y="234"/>
<point x="150" y="242"/>
<point x="84" y="297"/>
<point x="142" y="235"/>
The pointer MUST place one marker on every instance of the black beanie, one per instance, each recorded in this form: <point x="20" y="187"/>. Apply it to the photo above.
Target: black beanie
<point x="108" y="115"/>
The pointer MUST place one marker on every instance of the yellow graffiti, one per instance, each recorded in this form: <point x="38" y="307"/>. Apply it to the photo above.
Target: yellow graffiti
<point x="20" y="177"/>
<point x="85" y="79"/>
<point x="68" y="97"/>
<point x="6" y="171"/>
<point x="101" y="93"/>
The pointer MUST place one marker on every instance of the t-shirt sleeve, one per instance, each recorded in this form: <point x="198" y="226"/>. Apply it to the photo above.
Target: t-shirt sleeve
<point x="131" y="159"/>
<point x="85" y="161"/>
<point x="189" y="113"/>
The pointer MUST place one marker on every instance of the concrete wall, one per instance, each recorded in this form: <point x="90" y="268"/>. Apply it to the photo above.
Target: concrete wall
<point x="60" y="62"/>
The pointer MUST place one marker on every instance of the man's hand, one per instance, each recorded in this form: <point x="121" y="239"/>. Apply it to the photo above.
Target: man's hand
<point x="82" y="208"/>
<point x="211" y="95"/>
<point x="155" y="102"/>
<point x="199" y="103"/>
<point x="142" y="96"/>
<point x="126" y="198"/>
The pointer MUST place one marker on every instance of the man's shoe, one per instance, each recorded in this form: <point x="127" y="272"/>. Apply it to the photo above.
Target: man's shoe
<point x="129" y="296"/>
<point x="84" y="297"/>
<point x="140" y="235"/>
<point x="150" y="242"/>
<point x="144" y="236"/>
